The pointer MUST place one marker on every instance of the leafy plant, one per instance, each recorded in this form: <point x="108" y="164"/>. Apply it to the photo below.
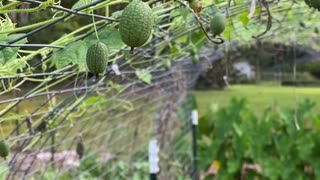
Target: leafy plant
<point x="8" y="54"/>
<point x="280" y="144"/>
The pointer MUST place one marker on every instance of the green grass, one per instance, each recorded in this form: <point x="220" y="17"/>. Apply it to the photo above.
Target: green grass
<point x="259" y="96"/>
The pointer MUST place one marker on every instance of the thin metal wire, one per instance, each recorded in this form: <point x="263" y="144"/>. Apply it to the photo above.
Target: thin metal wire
<point x="52" y="23"/>
<point x="168" y="87"/>
<point x="45" y="141"/>
<point x="31" y="45"/>
<point x="70" y="11"/>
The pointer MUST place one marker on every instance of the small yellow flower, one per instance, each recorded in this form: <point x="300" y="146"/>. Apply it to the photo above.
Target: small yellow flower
<point x="216" y="165"/>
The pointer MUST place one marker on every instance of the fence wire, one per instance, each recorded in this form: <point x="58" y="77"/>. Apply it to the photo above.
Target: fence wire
<point x="113" y="117"/>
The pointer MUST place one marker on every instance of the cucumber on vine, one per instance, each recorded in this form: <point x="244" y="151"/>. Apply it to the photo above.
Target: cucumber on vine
<point x="217" y="24"/>
<point x="196" y="6"/>
<point x="97" y="58"/>
<point x="136" y="24"/>
<point x="4" y="149"/>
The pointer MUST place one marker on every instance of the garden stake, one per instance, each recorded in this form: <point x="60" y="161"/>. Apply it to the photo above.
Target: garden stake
<point x="194" y="118"/>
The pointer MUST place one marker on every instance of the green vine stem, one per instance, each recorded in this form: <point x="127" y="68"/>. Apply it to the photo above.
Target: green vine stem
<point x="57" y="42"/>
<point x="107" y="11"/>
<point x="12" y="87"/>
<point x="43" y="5"/>
<point x="104" y="4"/>
<point x="37" y="91"/>
<point x="11" y="5"/>
<point x="95" y="27"/>
<point x="19" y="11"/>
<point x="24" y="28"/>
<point x="2" y="133"/>
<point x="43" y="80"/>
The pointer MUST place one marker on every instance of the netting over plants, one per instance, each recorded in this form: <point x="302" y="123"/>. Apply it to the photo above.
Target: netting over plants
<point x="59" y="120"/>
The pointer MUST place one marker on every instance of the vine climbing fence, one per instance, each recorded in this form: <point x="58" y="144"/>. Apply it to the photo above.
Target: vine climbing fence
<point x="62" y="122"/>
<point x="115" y="127"/>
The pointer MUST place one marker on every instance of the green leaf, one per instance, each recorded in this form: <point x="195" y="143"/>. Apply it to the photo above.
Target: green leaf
<point x="74" y="53"/>
<point x="244" y="19"/>
<point x="117" y="14"/>
<point x="233" y="165"/>
<point x="272" y="167"/>
<point x="240" y="145"/>
<point x="183" y="12"/>
<point x="158" y="10"/>
<point x="93" y="100"/>
<point x="228" y="32"/>
<point x="109" y="36"/>
<point x="305" y="145"/>
<point x="174" y="51"/>
<point x="117" y="87"/>
<point x="50" y="174"/>
<point x="179" y="22"/>
<point x="283" y="145"/>
<point x="182" y="40"/>
<point x="7" y="54"/>
<point x="144" y="75"/>
<point x="290" y="15"/>
<point x="257" y="11"/>
<point x="3" y="171"/>
<point x="206" y="123"/>
<point x="316" y="166"/>
<point x="237" y="129"/>
<point x="81" y="3"/>
<point x="197" y="39"/>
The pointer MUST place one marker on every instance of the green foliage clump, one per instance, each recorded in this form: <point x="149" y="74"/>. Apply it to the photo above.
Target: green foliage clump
<point x="136" y="23"/>
<point x="279" y="144"/>
<point x="301" y="83"/>
<point x="313" y="68"/>
<point x="316" y="30"/>
<point x="313" y="3"/>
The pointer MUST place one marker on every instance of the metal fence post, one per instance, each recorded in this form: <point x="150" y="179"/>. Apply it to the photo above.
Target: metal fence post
<point x="153" y="159"/>
<point x="194" y="118"/>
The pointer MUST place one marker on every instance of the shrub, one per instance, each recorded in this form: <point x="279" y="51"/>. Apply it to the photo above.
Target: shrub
<point x="301" y="83"/>
<point x="236" y="144"/>
<point x="313" y="68"/>
<point x="213" y="77"/>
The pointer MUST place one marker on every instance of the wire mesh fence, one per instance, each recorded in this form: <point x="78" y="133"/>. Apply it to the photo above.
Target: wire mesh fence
<point x="113" y="127"/>
<point x="61" y="121"/>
